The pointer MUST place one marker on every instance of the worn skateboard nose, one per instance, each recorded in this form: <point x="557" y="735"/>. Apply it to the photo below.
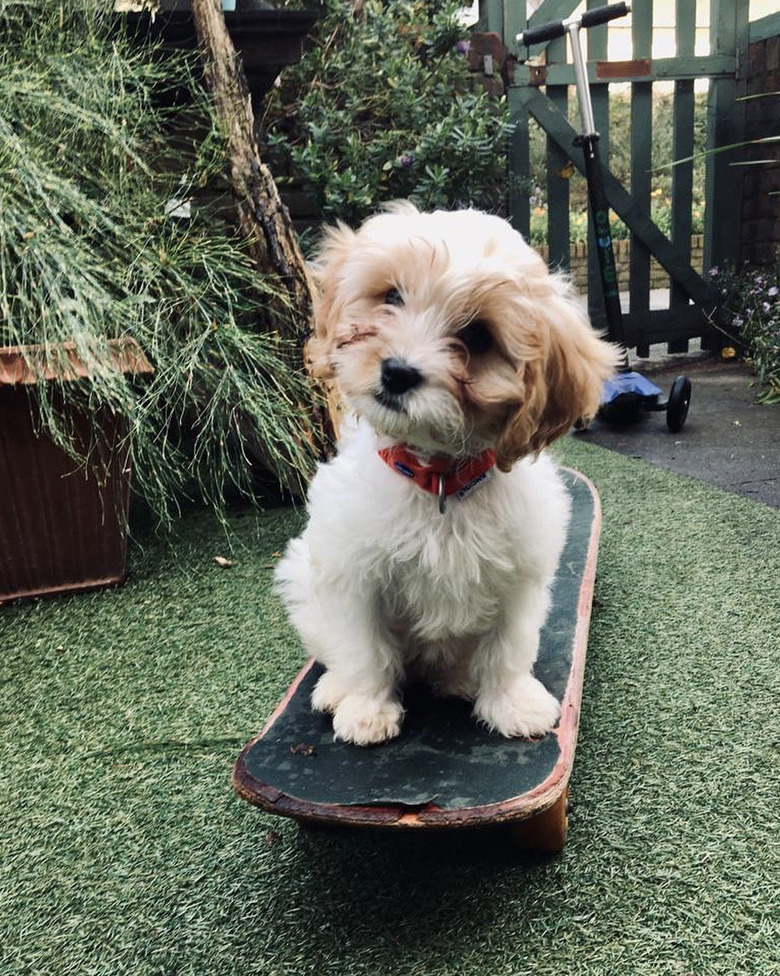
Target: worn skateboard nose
<point x="398" y="376"/>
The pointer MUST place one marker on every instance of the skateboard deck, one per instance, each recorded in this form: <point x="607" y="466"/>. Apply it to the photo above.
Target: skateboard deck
<point x="444" y="770"/>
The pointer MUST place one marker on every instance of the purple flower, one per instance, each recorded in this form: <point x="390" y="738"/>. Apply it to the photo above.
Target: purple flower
<point x="406" y="161"/>
<point x="774" y="290"/>
<point x="462" y="47"/>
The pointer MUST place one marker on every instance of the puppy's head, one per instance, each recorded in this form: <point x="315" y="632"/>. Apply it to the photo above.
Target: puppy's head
<point x="447" y="331"/>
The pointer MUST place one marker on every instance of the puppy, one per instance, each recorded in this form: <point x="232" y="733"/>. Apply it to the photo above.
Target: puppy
<point x="434" y="534"/>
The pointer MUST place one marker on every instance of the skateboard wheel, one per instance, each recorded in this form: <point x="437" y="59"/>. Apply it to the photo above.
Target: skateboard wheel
<point x="546" y="832"/>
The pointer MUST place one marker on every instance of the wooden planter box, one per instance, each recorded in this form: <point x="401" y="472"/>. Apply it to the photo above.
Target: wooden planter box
<point x="63" y="526"/>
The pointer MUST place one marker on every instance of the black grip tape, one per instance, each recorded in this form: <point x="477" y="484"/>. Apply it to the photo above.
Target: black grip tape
<point x="602" y="14"/>
<point x="549" y="32"/>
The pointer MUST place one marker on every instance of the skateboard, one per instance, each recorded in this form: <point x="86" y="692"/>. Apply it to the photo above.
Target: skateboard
<point x="444" y="770"/>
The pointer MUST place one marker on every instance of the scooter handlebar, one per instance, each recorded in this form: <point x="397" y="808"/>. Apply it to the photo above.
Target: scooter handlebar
<point x="537" y="35"/>
<point x="557" y="28"/>
<point x="602" y="14"/>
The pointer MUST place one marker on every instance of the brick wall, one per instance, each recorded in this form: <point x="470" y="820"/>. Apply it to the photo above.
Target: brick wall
<point x="761" y="210"/>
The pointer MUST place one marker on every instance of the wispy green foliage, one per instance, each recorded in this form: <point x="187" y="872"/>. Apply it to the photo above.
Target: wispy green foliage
<point x="105" y="147"/>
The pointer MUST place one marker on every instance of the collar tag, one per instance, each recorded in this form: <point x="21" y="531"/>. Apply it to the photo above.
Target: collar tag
<point x="475" y="483"/>
<point x="403" y="469"/>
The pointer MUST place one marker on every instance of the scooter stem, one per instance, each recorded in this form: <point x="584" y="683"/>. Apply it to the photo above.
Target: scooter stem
<point x="581" y="76"/>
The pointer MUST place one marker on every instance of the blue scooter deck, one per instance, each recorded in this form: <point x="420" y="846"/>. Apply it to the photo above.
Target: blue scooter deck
<point x="444" y="770"/>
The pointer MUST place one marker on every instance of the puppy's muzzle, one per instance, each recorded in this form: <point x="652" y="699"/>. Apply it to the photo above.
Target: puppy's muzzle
<point x="397" y="378"/>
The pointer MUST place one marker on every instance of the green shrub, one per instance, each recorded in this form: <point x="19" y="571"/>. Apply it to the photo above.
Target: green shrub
<point x="96" y="179"/>
<point x="383" y="107"/>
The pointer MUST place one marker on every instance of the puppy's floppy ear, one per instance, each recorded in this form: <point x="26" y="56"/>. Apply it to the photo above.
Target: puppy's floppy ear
<point x="564" y="382"/>
<point x="334" y="250"/>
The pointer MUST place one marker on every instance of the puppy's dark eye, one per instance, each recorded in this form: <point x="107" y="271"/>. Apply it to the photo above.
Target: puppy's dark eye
<point x="476" y="337"/>
<point x="393" y="297"/>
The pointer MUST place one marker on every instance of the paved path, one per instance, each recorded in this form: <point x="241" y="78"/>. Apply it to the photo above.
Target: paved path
<point x="728" y="439"/>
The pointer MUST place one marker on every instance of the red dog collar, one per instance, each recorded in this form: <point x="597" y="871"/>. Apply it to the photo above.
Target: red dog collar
<point x="441" y="477"/>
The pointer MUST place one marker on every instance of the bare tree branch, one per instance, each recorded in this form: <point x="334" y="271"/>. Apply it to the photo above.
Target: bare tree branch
<point x="262" y="216"/>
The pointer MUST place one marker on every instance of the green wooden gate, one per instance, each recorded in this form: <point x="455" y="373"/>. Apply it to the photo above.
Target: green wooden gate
<point x="542" y="91"/>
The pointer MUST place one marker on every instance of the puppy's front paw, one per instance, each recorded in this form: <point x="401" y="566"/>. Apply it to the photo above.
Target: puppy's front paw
<point x="366" y="720"/>
<point x="525" y="708"/>
<point x="328" y="693"/>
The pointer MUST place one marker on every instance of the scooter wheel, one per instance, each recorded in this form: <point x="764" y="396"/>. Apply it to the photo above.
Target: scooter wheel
<point x="679" y="401"/>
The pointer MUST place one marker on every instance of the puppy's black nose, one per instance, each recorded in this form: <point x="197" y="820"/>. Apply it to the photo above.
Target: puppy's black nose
<point x="399" y="377"/>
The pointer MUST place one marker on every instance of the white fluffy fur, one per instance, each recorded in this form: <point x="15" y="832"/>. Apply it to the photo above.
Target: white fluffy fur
<point x="380" y="584"/>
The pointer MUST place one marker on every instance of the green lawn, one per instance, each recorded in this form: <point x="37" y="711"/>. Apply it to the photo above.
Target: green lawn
<point x="125" y="851"/>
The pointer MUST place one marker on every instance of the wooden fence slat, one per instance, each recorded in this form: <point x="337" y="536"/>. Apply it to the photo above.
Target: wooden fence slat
<point x="515" y="20"/>
<point x="596" y="39"/>
<point x="519" y="166"/>
<point x="491" y="16"/>
<point x="729" y="30"/>
<point x="641" y="159"/>
<point x="683" y="121"/>
<point x="558" y="196"/>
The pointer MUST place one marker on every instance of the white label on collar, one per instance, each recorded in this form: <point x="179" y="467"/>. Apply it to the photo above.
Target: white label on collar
<point x="475" y="483"/>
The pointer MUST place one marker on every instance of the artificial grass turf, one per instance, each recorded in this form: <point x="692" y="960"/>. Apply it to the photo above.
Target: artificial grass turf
<point x="124" y="850"/>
